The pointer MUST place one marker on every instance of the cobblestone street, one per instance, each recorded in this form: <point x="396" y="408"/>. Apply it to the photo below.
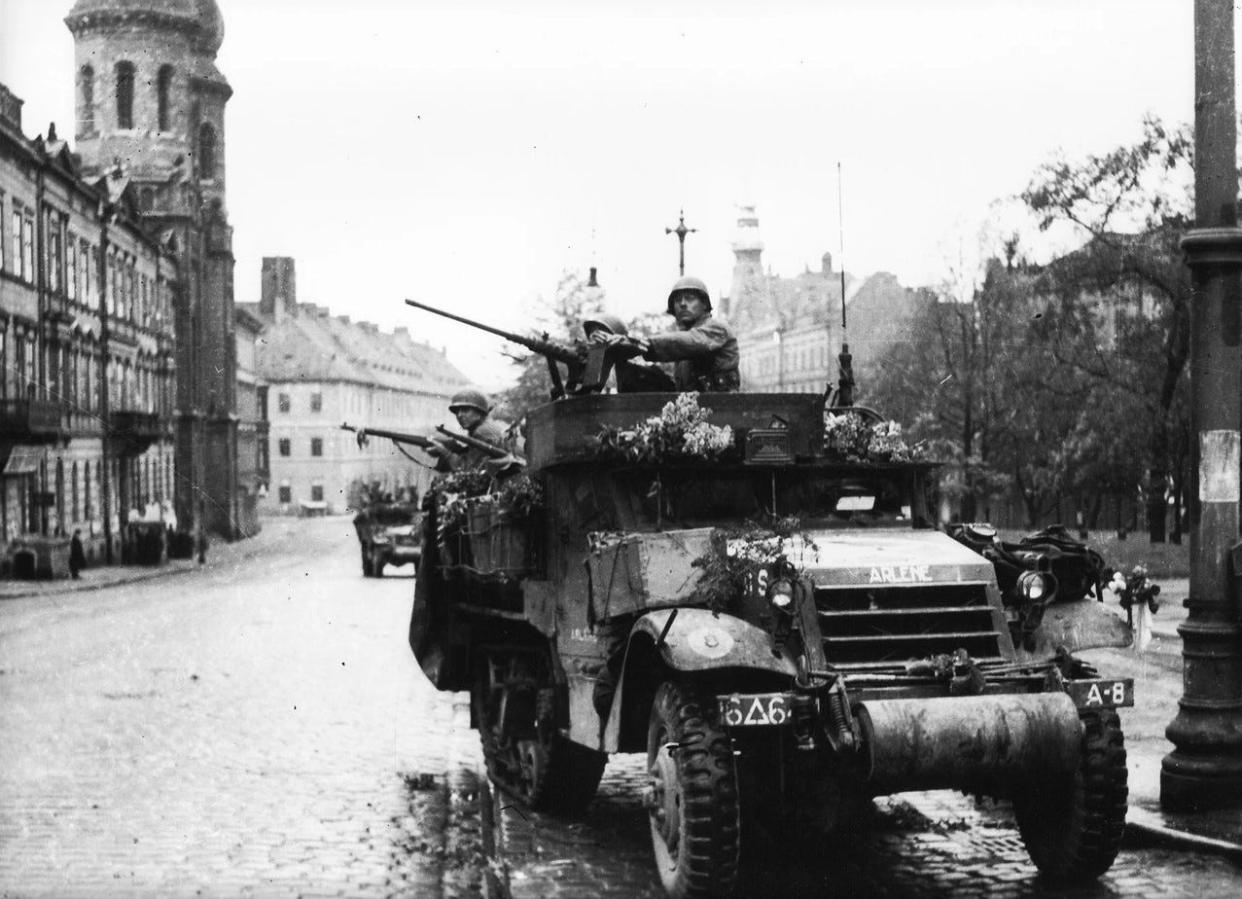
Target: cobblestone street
<point x="258" y="728"/>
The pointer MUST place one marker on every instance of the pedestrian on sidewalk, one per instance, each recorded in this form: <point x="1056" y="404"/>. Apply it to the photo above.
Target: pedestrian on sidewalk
<point x="77" y="555"/>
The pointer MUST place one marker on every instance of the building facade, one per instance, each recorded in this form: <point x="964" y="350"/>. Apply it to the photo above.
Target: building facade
<point x="789" y="329"/>
<point x="150" y="105"/>
<point x="253" y="472"/>
<point x="320" y="371"/>
<point x="87" y="354"/>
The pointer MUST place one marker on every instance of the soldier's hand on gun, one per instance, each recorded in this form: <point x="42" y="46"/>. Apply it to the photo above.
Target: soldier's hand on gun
<point x="623" y="346"/>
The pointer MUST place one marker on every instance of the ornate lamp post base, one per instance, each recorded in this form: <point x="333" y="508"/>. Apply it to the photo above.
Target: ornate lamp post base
<point x="1205" y="770"/>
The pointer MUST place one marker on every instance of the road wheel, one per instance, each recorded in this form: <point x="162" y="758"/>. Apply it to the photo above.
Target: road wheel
<point x="366" y="563"/>
<point x="1073" y="830"/>
<point x="377" y="564"/>
<point x="526" y="756"/>
<point x="692" y="796"/>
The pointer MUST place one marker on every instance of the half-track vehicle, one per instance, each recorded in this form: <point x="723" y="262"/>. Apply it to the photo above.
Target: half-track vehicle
<point x="862" y="653"/>
<point x="780" y="627"/>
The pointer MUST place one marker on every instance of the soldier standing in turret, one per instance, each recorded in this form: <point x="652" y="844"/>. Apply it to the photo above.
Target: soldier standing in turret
<point x="703" y="348"/>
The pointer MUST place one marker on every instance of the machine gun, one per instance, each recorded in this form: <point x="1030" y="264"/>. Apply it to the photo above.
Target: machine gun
<point x="395" y="436"/>
<point x="587" y="367"/>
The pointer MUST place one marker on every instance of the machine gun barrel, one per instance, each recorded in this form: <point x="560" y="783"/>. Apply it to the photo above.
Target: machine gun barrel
<point x="546" y="348"/>
<point x="490" y="449"/>
<point x="395" y="436"/>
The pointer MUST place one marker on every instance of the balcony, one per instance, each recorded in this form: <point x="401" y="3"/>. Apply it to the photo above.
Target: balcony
<point x="132" y="431"/>
<point x="32" y="421"/>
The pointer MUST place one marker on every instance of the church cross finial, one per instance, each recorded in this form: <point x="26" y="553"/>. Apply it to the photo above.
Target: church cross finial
<point x="681" y="231"/>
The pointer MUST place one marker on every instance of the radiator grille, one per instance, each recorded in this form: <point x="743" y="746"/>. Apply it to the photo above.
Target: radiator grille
<point x="879" y="627"/>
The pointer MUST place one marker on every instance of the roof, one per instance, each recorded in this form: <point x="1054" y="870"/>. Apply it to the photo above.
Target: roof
<point x="313" y="345"/>
<point x="201" y="15"/>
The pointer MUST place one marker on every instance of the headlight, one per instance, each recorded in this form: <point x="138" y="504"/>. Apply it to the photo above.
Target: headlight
<point x="780" y="594"/>
<point x="1035" y="586"/>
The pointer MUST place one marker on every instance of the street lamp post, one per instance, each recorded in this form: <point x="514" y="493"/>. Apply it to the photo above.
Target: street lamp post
<point x="1205" y="768"/>
<point x="681" y="231"/>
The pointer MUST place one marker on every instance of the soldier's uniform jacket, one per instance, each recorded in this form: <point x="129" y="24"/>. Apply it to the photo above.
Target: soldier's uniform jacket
<point x="470" y="458"/>
<point x="706" y="356"/>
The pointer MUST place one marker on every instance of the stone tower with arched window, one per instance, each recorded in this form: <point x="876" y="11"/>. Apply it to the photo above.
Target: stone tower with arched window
<point x="150" y="114"/>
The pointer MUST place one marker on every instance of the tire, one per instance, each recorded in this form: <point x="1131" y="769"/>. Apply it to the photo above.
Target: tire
<point x="377" y="564"/>
<point x="366" y="563"/>
<point x="692" y="798"/>
<point x="1073" y="831"/>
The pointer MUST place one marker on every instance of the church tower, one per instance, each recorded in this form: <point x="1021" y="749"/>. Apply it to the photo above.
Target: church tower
<point x="150" y="106"/>
<point x="748" y="280"/>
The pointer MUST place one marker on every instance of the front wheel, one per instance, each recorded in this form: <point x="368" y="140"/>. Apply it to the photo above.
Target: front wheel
<point x="366" y="563"/>
<point x="692" y="796"/>
<point x="1073" y="830"/>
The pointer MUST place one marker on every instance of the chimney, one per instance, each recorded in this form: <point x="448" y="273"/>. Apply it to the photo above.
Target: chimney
<point x="278" y="294"/>
<point x="11" y="107"/>
<point x="402" y="332"/>
<point x="591" y="282"/>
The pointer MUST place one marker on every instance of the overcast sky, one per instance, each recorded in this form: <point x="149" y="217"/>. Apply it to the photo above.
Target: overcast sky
<point x="465" y="153"/>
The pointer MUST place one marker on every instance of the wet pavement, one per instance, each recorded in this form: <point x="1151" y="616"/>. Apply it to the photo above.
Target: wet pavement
<point x="256" y="727"/>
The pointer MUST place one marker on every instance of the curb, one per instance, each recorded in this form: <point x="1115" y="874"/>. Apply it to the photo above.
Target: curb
<point x="1145" y="829"/>
<point x="89" y="588"/>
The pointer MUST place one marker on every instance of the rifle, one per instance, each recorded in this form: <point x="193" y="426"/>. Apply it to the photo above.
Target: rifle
<point x="491" y="450"/>
<point x="587" y="367"/>
<point x="394" y="436"/>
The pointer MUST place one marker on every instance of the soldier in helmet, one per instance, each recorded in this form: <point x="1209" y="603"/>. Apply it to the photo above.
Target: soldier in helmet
<point x="632" y="377"/>
<point x="472" y="409"/>
<point x="703" y="348"/>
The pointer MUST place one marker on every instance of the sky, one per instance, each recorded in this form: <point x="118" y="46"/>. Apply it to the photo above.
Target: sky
<point x="467" y="153"/>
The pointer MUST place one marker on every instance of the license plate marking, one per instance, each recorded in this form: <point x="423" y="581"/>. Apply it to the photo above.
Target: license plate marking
<point x="1113" y="693"/>
<point x="754" y="709"/>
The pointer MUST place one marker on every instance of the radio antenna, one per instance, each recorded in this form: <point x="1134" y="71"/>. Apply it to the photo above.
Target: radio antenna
<point x="845" y="381"/>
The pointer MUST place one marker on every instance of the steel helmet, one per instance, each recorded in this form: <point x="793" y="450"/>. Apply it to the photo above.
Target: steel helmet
<point x="606" y="322"/>
<point x="470" y="399"/>
<point x="694" y="285"/>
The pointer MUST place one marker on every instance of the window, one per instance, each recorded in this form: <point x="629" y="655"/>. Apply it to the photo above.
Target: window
<point x="206" y="151"/>
<point x="283" y="401"/>
<point x="317" y="493"/>
<point x="28" y="269"/>
<point x="86" y="97"/>
<point x="283" y="446"/>
<point x="88" y="271"/>
<point x="55" y="253"/>
<point x="15" y="265"/>
<point x="163" y="89"/>
<point x="316" y="446"/>
<point x="124" y="94"/>
<point x="286" y="493"/>
<point x="1" y="232"/>
<point x="71" y="269"/>
<point x="316" y="402"/>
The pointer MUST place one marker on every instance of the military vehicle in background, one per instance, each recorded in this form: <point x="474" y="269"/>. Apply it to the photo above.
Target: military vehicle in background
<point x="752" y="590"/>
<point x="389" y="528"/>
<point x="389" y="533"/>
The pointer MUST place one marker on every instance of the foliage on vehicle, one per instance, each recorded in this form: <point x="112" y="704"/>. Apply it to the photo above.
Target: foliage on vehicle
<point x="849" y="437"/>
<point x="740" y="558"/>
<point x="680" y="432"/>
